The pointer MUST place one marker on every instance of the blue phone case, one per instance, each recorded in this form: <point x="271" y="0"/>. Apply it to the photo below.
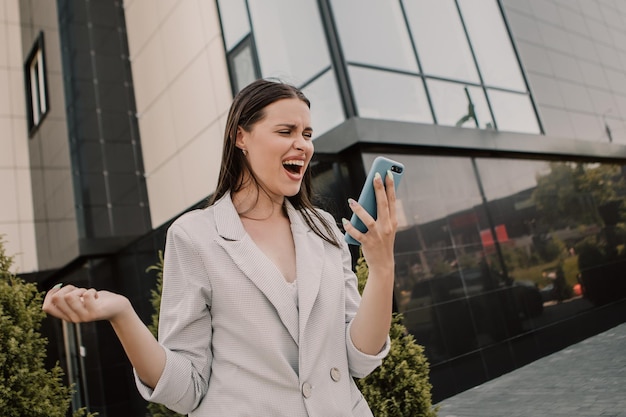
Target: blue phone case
<point x="367" y="199"/>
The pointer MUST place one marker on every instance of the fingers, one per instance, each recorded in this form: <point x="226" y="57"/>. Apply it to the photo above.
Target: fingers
<point x="382" y="203"/>
<point x="367" y="220"/>
<point x="352" y="231"/>
<point x="67" y="303"/>
<point x="386" y="222"/>
<point x="391" y="200"/>
<point x="51" y="300"/>
<point x="89" y="299"/>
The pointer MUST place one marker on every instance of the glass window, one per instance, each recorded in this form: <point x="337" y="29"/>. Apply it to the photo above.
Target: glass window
<point x="513" y="112"/>
<point x="451" y="102"/>
<point x="538" y="242"/>
<point x="243" y="66"/>
<point x="441" y="41"/>
<point x="490" y="40"/>
<point x="326" y="106"/>
<point x="562" y="220"/>
<point x="75" y="353"/>
<point x="289" y="38"/>
<point x="504" y="177"/>
<point x="448" y="277"/>
<point x="374" y="33"/>
<point x="386" y="95"/>
<point x="36" y="86"/>
<point x="235" y="22"/>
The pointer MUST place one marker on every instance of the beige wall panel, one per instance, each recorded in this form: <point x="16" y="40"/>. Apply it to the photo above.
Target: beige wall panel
<point x="24" y="196"/>
<point x="193" y="107"/>
<point x="221" y="92"/>
<point x="145" y="20"/>
<point x="16" y="90"/>
<point x="148" y="71"/>
<point x="20" y="142"/>
<point x="158" y="141"/>
<point x="200" y="163"/>
<point x="5" y="99"/>
<point x="182" y="38"/>
<point x="48" y="149"/>
<point x="182" y="91"/>
<point x="165" y="188"/>
<point x="8" y="187"/>
<point x="16" y="213"/>
<point x="7" y="143"/>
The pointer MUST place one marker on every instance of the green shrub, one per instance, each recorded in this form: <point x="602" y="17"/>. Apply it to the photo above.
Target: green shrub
<point x="590" y="253"/>
<point x="27" y="388"/>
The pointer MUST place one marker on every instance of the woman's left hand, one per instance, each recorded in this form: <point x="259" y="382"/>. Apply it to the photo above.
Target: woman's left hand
<point x="377" y="242"/>
<point x="370" y="326"/>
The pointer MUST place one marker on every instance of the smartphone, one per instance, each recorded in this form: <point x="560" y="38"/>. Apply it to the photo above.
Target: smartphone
<point x="367" y="199"/>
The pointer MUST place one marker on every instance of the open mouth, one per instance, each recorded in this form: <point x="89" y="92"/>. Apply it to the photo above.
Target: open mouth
<point x="294" y="166"/>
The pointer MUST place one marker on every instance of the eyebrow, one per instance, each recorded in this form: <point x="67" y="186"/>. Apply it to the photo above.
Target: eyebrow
<point x="293" y="126"/>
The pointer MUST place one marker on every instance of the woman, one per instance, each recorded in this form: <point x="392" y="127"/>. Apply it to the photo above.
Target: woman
<point x="260" y="312"/>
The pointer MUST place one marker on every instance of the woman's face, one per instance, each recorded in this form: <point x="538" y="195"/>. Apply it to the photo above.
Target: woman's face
<point x="279" y="146"/>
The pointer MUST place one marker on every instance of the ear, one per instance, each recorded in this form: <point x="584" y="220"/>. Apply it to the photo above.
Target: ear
<point x="240" y="139"/>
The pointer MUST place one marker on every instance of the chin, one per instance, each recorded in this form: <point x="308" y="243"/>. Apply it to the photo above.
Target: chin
<point x="291" y="192"/>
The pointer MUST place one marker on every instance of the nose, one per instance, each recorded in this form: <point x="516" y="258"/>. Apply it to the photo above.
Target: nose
<point x="300" y="143"/>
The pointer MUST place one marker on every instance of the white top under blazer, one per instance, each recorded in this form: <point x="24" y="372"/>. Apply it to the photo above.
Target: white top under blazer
<point x="236" y="342"/>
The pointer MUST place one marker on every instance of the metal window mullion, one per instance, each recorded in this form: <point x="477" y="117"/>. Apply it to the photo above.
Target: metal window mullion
<point x="338" y="60"/>
<point x="69" y="343"/>
<point x="419" y="62"/>
<point x="521" y="68"/>
<point x="82" y="353"/>
<point x="475" y="59"/>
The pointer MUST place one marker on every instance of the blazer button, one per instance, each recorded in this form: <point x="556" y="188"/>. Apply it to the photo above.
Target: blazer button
<point x="335" y="374"/>
<point x="307" y="390"/>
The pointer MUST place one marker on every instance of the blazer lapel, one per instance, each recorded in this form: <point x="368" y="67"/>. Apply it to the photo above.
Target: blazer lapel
<point x="254" y="264"/>
<point x="309" y="262"/>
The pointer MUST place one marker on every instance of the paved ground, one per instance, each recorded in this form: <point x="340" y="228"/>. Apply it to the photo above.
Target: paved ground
<point x="584" y="380"/>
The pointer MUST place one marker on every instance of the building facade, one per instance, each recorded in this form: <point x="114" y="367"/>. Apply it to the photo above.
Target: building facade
<point x="509" y="116"/>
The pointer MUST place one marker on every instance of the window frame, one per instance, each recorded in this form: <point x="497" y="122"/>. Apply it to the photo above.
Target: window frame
<point x="246" y="42"/>
<point x="37" y="98"/>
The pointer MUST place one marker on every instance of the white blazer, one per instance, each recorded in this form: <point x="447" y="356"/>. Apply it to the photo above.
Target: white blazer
<point x="237" y="343"/>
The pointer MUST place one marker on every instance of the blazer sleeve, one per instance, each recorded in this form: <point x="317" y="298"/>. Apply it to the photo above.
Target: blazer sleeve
<point x="184" y="327"/>
<point x="359" y="363"/>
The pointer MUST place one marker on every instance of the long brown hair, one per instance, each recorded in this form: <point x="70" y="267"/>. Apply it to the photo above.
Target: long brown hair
<point x="247" y="109"/>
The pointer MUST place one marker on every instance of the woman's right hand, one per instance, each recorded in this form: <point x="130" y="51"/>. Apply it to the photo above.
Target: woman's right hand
<point x="78" y="305"/>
